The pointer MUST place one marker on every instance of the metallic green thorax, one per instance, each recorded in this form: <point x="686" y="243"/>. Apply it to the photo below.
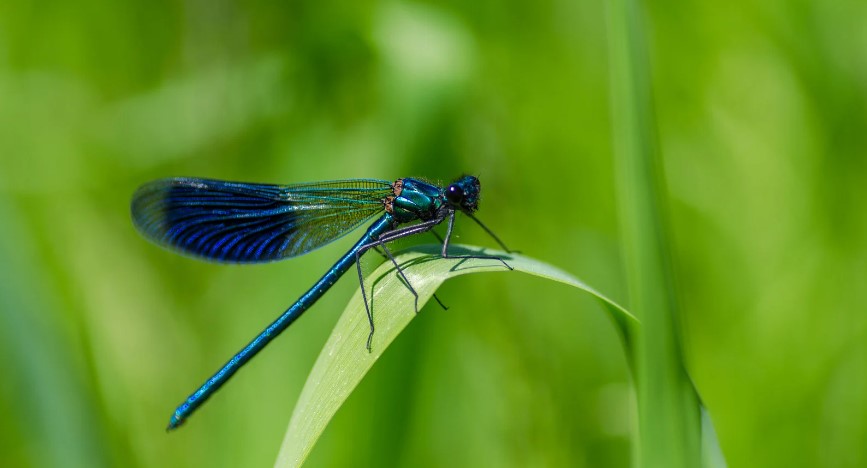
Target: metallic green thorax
<point x="414" y="200"/>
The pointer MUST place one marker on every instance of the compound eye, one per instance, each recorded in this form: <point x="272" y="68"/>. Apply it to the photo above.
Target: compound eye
<point x="455" y="194"/>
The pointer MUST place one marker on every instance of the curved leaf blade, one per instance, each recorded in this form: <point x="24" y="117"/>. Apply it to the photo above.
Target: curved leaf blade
<point x="345" y="360"/>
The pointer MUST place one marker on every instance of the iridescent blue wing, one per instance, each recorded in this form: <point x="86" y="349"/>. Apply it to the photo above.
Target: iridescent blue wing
<point x="248" y="223"/>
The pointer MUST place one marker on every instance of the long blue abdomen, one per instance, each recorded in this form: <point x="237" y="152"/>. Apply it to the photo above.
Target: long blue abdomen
<point x="382" y="225"/>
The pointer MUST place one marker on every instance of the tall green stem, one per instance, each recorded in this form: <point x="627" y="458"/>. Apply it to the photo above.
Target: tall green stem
<point x="668" y="408"/>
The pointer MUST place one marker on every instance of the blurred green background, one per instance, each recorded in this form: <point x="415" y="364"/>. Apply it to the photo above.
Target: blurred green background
<point x="762" y="110"/>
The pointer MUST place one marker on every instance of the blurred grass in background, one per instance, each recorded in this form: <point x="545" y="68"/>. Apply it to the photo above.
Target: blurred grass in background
<point x="762" y="111"/>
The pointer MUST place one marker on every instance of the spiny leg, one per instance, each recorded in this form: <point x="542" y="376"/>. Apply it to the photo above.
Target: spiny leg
<point x="392" y="236"/>
<point x="445" y="251"/>
<point x="386" y="254"/>
<point x="441" y="240"/>
<point x="380" y="242"/>
<point x="398" y="234"/>
<point x="364" y="297"/>
<point x="402" y="275"/>
<point x="376" y="248"/>
<point x="406" y="280"/>
<point x="436" y="298"/>
<point x="491" y="233"/>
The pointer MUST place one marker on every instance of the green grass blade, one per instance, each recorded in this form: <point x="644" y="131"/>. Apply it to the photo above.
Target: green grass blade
<point x="344" y="360"/>
<point x="668" y="406"/>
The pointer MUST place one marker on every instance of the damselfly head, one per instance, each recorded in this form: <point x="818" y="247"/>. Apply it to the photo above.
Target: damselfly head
<point x="463" y="194"/>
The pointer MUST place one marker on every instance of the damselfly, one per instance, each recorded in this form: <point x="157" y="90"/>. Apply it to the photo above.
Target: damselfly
<point x="238" y="222"/>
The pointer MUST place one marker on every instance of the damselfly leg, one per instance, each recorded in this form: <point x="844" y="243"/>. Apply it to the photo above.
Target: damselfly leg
<point x="419" y="228"/>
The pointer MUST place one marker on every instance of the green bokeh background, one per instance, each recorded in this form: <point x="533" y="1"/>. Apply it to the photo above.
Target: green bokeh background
<point x="762" y="110"/>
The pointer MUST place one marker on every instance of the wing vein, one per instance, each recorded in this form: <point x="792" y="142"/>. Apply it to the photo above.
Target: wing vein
<point x="247" y="223"/>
